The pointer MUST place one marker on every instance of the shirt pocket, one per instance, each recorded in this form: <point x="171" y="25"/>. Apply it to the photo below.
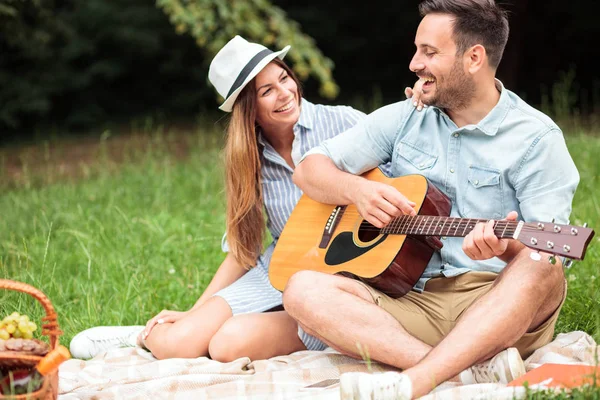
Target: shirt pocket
<point x="483" y="195"/>
<point x="414" y="160"/>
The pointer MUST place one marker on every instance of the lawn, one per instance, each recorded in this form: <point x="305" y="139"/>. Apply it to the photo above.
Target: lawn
<point x="118" y="238"/>
<point x="120" y="227"/>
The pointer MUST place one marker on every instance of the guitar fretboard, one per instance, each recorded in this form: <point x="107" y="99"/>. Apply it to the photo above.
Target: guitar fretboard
<point x="423" y="225"/>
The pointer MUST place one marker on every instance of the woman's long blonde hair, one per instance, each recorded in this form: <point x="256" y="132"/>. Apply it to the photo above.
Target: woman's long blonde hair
<point x="245" y="211"/>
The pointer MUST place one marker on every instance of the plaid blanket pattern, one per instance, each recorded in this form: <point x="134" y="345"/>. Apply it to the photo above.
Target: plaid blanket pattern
<point x="133" y="373"/>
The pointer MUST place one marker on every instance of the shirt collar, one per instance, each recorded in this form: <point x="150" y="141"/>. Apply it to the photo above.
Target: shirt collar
<point x="307" y="113"/>
<point x="490" y="124"/>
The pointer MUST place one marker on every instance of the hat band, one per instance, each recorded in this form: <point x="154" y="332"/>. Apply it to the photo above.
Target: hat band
<point x="247" y="69"/>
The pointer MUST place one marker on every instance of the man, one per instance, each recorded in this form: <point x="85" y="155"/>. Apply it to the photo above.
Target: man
<point x="494" y="156"/>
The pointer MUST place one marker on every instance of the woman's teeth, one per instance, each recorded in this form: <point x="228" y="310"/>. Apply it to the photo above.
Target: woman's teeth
<point x="286" y="107"/>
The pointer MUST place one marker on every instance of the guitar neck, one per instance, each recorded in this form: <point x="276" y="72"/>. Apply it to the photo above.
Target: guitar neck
<point x="424" y="225"/>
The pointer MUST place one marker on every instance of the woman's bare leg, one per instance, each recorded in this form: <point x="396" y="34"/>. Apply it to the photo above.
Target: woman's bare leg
<point x="212" y="330"/>
<point x="258" y="336"/>
<point x="190" y="336"/>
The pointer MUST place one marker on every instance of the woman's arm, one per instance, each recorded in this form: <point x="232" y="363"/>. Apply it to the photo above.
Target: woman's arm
<point x="229" y="271"/>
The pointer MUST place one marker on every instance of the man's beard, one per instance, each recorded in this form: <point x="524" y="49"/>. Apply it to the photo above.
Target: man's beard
<point x="456" y="92"/>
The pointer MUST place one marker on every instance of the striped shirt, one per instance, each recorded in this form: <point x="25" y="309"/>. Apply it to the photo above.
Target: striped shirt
<point x="316" y="123"/>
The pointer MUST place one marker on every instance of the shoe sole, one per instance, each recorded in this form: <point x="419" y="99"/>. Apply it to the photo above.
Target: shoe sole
<point x="516" y="369"/>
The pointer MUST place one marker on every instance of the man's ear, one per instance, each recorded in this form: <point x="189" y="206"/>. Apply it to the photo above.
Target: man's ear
<point x="476" y="58"/>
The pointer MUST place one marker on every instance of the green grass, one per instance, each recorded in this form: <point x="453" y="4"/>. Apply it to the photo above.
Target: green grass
<point x="136" y="228"/>
<point x="584" y="392"/>
<point x="120" y="246"/>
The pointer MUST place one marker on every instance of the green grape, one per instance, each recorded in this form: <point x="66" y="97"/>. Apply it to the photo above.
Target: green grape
<point x="4" y="335"/>
<point x="17" y="326"/>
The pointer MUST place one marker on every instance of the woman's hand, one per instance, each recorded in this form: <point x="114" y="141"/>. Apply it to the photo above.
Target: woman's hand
<point x="415" y="93"/>
<point x="163" y="317"/>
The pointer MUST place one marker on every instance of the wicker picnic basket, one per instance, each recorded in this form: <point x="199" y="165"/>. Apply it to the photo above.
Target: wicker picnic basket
<point x="25" y="357"/>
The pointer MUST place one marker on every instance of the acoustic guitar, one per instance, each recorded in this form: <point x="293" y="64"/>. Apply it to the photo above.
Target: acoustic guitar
<point x="337" y="240"/>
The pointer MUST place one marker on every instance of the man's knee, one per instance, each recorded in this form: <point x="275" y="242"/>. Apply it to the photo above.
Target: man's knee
<point x="300" y="290"/>
<point x="550" y="277"/>
<point x="538" y="275"/>
<point x="543" y="282"/>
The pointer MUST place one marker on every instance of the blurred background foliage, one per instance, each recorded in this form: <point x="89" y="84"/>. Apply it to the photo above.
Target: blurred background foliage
<point x="76" y="66"/>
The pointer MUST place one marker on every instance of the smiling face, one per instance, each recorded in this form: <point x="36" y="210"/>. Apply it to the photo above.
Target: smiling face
<point x="277" y="98"/>
<point x="447" y="85"/>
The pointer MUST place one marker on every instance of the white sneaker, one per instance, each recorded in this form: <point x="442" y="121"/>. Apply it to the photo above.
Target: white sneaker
<point x="504" y="367"/>
<point x="381" y="386"/>
<point x="89" y="343"/>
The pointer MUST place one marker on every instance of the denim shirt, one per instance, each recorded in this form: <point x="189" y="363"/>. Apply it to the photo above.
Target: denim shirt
<point x="513" y="159"/>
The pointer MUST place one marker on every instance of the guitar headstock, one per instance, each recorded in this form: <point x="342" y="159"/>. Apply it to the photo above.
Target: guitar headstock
<point x="564" y="240"/>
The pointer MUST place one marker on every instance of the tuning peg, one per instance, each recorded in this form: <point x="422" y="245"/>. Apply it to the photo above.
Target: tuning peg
<point x="552" y="221"/>
<point x="552" y="259"/>
<point x="585" y="224"/>
<point x="568" y="263"/>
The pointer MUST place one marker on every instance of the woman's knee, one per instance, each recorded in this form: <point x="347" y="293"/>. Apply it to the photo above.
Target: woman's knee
<point x="230" y="343"/>
<point x="171" y="343"/>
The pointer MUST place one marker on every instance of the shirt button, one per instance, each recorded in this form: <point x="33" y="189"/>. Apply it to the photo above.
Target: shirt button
<point x="455" y="134"/>
<point x="443" y="237"/>
<point x="422" y="165"/>
<point x="476" y="182"/>
<point x="452" y="170"/>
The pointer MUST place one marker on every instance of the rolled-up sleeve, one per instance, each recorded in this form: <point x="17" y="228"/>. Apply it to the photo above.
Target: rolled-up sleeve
<point x="367" y="144"/>
<point x="547" y="180"/>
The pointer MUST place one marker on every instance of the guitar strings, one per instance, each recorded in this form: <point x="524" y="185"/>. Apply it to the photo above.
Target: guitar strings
<point x="446" y="231"/>
<point x="418" y="223"/>
<point x="425" y="226"/>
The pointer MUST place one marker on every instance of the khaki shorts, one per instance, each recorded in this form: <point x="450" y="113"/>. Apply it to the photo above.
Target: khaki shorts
<point x="430" y="315"/>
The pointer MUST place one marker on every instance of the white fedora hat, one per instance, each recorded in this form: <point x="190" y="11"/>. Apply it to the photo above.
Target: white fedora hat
<point x="236" y="64"/>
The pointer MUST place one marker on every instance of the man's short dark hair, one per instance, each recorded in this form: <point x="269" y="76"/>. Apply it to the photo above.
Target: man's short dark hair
<point x="475" y="22"/>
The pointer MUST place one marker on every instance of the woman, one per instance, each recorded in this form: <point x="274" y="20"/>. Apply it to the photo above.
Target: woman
<point x="271" y="127"/>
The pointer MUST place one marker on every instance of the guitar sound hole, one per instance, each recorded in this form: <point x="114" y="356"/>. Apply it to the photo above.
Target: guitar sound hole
<point x="367" y="232"/>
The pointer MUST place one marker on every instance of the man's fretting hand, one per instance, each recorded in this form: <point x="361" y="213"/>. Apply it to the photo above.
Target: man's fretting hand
<point x="482" y="243"/>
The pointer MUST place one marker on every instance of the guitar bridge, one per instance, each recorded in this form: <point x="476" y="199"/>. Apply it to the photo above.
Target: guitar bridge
<point x="332" y="222"/>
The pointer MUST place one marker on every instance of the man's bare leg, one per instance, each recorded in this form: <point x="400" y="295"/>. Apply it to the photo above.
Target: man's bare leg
<point x="525" y="294"/>
<point x="341" y="312"/>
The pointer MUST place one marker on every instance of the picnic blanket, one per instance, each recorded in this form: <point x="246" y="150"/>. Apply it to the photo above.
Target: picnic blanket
<point x="133" y="373"/>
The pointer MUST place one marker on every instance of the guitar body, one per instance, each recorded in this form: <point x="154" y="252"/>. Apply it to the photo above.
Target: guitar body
<point x="336" y="240"/>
